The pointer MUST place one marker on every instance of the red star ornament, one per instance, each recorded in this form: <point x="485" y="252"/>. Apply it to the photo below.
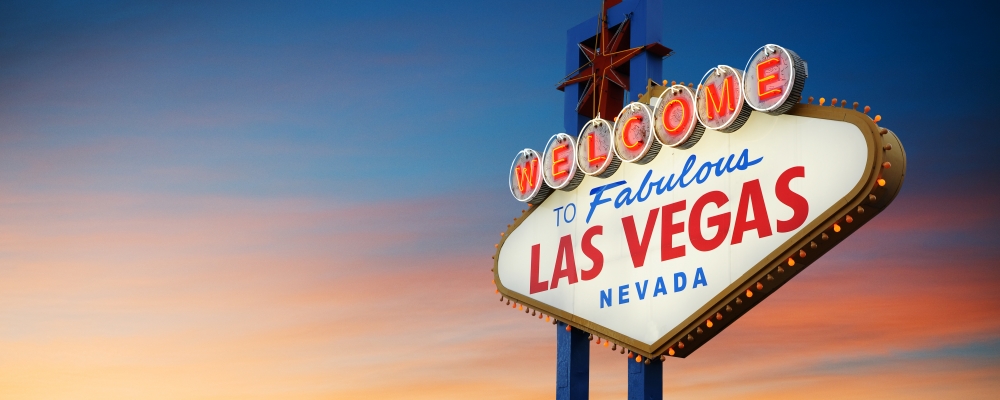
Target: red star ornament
<point x="606" y="69"/>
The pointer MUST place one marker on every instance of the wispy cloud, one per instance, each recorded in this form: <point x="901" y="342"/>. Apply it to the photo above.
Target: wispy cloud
<point x="300" y="201"/>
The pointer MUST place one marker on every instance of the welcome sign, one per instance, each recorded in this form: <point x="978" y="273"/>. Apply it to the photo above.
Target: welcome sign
<point x="657" y="230"/>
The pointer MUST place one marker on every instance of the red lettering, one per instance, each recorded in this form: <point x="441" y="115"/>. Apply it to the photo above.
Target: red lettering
<point x="715" y="107"/>
<point x="763" y="77"/>
<point x="592" y="253"/>
<point x="526" y="175"/>
<point x="591" y="158"/>
<point x="556" y="160"/>
<point x="536" y="286"/>
<point x="798" y="204"/>
<point x="669" y="109"/>
<point x="668" y="229"/>
<point x="627" y="128"/>
<point x="721" y="221"/>
<point x="751" y="195"/>
<point x="636" y="247"/>
<point x="565" y="252"/>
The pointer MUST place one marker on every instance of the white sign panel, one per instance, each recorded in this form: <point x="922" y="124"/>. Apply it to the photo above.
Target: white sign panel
<point x="643" y="250"/>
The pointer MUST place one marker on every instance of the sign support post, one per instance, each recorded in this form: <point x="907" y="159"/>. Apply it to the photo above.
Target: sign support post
<point x="645" y="27"/>
<point x="645" y="382"/>
<point x="572" y="363"/>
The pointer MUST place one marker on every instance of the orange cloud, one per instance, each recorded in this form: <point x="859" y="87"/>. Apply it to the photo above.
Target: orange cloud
<point x="125" y="297"/>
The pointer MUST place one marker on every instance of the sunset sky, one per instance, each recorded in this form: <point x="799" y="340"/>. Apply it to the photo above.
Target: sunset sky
<point x="299" y="200"/>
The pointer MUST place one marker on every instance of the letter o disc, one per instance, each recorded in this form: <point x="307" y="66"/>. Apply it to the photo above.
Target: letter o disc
<point x="774" y="79"/>
<point x="675" y="121"/>
<point x="634" y="140"/>
<point x="559" y="163"/>
<point x="720" y="99"/>
<point x="594" y="153"/>
<point x="526" y="183"/>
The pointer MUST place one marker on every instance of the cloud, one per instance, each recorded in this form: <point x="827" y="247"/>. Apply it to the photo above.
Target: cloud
<point x="190" y="208"/>
<point x="303" y="298"/>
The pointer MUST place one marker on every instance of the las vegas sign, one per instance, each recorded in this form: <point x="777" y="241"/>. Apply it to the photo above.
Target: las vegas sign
<point x="656" y="230"/>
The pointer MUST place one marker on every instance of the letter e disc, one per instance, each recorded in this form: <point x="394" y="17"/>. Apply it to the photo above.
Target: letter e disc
<point x="720" y="99"/>
<point x="559" y="163"/>
<point x="774" y="79"/>
<point x="634" y="140"/>
<point x="526" y="182"/>
<point x="594" y="155"/>
<point x="675" y="122"/>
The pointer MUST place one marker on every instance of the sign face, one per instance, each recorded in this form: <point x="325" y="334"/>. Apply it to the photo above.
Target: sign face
<point x="679" y="218"/>
<point x="659" y="257"/>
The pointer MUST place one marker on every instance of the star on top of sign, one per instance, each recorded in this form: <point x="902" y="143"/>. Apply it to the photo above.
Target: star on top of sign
<point x="606" y="69"/>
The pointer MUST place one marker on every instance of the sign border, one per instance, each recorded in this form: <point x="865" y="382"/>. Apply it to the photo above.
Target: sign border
<point x="885" y="166"/>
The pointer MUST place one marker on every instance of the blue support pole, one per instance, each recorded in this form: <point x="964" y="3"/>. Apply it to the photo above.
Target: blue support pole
<point x="573" y="347"/>
<point x="647" y="27"/>
<point x="645" y="382"/>
<point x="572" y="364"/>
<point x="572" y="120"/>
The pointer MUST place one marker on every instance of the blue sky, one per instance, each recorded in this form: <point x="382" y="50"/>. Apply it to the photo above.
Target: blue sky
<point x="328" y="78"/>
<point x="263" y="178"/>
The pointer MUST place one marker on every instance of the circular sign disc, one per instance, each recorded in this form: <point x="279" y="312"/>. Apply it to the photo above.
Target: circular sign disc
<point x="720" y="99"/>
<point x="634" y="140"/>
<point x="675" y="122"/>
<point x="594" y="154"/>
<point x="774" y="79"/>
<point x="526" y="178"/>
<point x="559" y="163"/>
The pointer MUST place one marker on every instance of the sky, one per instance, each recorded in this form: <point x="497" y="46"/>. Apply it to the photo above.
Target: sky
<point x="299" y="200"/>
